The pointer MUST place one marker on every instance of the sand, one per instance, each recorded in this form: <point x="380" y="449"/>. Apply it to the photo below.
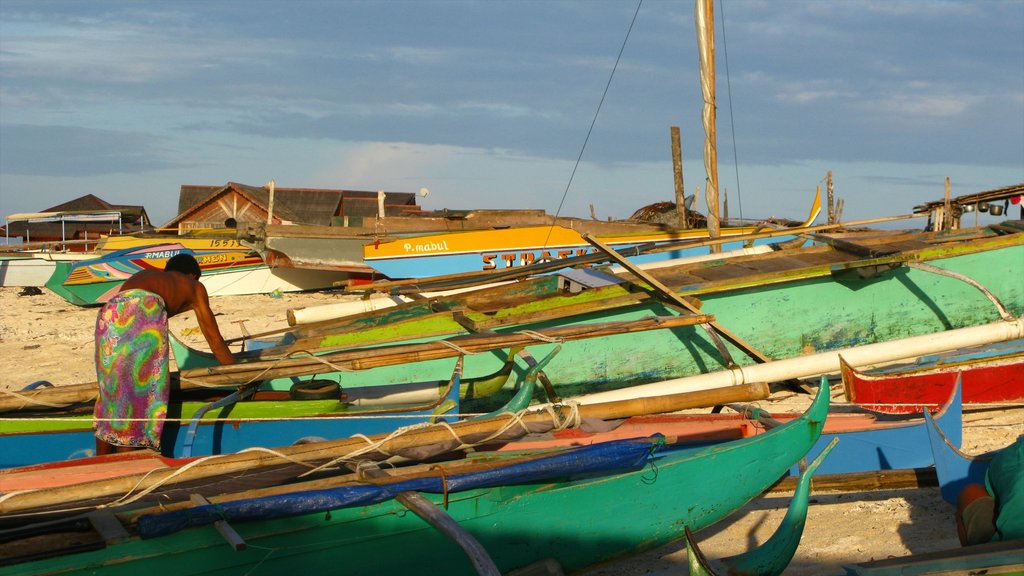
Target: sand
<point x="43" y="337"/>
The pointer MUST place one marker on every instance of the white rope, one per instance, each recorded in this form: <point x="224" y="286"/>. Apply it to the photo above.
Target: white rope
<point x="31" y="400"/>
<point x="539" y="336"/>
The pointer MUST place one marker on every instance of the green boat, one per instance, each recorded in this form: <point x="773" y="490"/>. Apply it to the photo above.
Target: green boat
<point x="577" y="521"/>
<point x="861" y="289"/>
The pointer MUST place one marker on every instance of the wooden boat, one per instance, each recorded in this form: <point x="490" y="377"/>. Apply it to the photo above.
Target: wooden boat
<point x="36" y="265"/>
<point x="40" y="488"/>
<point x="695" y="487"/>
<point x="226" y="272"/>
<point x="990" y="375"/>
<point x="21" y="269"/>
<point x="784" y="290"/>
<point x="225" y="423"/>
<point x="870" y="441"/>
<point x="953" y="468"/>
<point x="772" y="557"/>
<point x="428" y="255"/>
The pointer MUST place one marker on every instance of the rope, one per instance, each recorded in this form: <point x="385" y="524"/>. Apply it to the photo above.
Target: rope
<point x="593" y="122"/>
<point x="541" y="337"/>
<point x="514" y="419"/>
<point x="456" y="347"/>
<point x="30" y="400"/>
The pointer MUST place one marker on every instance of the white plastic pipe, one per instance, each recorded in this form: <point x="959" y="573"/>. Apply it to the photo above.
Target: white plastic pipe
<point x="823" y="362"/>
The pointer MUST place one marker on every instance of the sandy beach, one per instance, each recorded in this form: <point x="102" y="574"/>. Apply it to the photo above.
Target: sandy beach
<point x="42" y="337"/>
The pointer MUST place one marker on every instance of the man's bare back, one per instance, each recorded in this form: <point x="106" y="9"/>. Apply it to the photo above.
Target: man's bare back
<point x="182" y="292"/>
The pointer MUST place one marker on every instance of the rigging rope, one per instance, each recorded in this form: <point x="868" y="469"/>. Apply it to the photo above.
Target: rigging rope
<point x="732" y="117"/>
<point x="597" y="112"/>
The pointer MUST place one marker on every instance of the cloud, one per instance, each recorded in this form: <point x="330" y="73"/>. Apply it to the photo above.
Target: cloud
<point x="73" y="151"/>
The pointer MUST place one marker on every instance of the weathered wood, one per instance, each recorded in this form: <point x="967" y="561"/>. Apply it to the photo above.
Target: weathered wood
<point x="713" y="328"/>
<point x="864" y="481"/>
<point x="365" y="358"/>
<point x="107" y="526"/>
<point x="537" y="420"/>
<point x="677" y="173"/>
<point x="225" y="529"/>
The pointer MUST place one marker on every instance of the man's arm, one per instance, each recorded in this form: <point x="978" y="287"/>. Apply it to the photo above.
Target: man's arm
<point x="208" y="324"/>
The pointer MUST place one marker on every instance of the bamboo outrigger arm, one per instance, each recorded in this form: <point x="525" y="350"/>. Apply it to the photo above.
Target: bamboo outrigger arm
<point x="438" y="519"/>
<point x="1003" y="312"/>
<point x="715" y="330"/>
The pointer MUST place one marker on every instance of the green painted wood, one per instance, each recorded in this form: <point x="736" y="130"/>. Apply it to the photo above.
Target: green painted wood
<point x="579" y="522"/>
<point x="800" y="312"/>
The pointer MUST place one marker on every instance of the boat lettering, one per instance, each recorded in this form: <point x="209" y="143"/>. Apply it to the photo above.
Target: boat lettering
<point x="162" y="254"/>
<point x="411" y="248"/>
<point x="225" y="244"/>
<point x="213" y="259"/>
<point x="516" y="259"/>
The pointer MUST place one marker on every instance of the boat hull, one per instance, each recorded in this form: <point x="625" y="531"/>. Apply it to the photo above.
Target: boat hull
<point x="807" y="312"/>
<point x="579" y="522"/>
<point x="991" y="375"/>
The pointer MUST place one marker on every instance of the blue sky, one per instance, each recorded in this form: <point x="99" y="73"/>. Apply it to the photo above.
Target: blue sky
<point x="488" y="104"/>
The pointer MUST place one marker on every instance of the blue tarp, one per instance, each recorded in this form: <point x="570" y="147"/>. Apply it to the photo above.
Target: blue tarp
<point x="618" y="455"/>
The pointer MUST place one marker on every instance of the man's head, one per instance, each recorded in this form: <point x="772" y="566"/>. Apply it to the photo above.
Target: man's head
<point x="184" y="263"/>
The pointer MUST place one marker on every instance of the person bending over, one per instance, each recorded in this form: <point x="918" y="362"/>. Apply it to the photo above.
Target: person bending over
<point x="131" y="352"/>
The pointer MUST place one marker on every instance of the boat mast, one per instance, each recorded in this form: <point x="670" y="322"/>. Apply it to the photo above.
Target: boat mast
<point x="704" y="19"/>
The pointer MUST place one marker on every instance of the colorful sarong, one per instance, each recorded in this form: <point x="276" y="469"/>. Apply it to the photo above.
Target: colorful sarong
<point x="131" y="368"/>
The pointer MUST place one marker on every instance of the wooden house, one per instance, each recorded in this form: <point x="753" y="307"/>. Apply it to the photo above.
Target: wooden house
<point x="234" y="205"/>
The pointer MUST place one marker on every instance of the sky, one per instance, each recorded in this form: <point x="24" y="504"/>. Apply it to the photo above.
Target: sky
<point x="501" y="104"/>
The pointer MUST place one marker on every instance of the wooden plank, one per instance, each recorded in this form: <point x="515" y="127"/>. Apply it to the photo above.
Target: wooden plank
<point x="365" y="358"/>
<point x="108" y="526"/>
<point x="225" y="529"/>
<point x="864" y="481"/>
<point x="665" y="291"/>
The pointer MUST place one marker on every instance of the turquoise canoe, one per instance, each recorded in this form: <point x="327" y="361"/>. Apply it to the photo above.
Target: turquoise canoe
<point x="576" y="521"/>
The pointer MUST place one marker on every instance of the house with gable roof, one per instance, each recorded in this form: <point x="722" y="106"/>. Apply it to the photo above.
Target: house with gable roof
<point x="234" y="205"/>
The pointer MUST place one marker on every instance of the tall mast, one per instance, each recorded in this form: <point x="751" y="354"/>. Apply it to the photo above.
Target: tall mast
<point x="704" y="19"/>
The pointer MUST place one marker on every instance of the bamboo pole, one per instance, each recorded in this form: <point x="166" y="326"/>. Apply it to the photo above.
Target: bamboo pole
<point x="363" y="358"/>
<point x="449" y="436"/>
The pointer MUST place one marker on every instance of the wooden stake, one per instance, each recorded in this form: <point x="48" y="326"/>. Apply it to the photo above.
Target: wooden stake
<point x="677" y="173"/>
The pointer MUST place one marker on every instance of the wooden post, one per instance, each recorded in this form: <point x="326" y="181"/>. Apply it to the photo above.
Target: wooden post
<point x="947" y="212"/>
<point x="677" y="172"/>
<point x="270" y="203"/>
<point x="831" y="198"/>
<point x="725" y="205"/>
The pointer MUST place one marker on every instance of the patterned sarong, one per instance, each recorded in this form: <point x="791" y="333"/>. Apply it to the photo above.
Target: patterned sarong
<point x="131" y="367"/>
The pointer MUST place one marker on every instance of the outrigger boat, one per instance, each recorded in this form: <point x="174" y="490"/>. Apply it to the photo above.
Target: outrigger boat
<point x="954" y="470"/>
<point x="205" y="421"/>
<point x="865" y="282"/>
<point x="312" y="527"/>
<point x="990" y="374"/>
<point x="438" y="254"/>
<point x="869" y="441"/>
<point x="231" y="270"/>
